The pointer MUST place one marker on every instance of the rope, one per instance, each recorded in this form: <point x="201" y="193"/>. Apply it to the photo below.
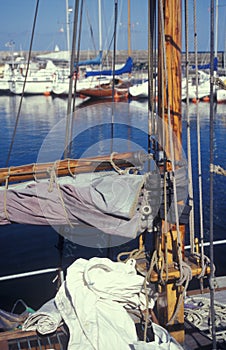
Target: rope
<point x="53" y="180"/>
<point x="187" y="276"/>
<point x="69" y="169"/>
<point x="198" y="315"/>
<point x="114" y="166"/>
<point x="206" y="263"/>
<point x="34" y="172"/>
<point x="5" y="195"/>
<point x="166" y="225"/>
<point x="133" y="254"/>
<point x="119" y="170"/>
<point x="217" y="169"/>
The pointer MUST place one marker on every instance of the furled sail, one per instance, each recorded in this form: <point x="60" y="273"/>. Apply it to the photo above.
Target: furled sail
<point x="127" y="68"/>
<point x="93" y="61"/>
<point x="106" y="201"/>
<point x="121" y="205"/>
<point x="207" y="66"/>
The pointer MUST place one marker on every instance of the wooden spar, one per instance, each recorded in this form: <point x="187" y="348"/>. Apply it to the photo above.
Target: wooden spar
<point x="169" y="97"/>
<point x="70" y="166"/>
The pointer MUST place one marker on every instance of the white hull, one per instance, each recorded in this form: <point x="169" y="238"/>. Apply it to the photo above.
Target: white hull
<point x="38" y="80"/>
<point x="203" y="91"/>
<point x="221" y="95"/>
<point x="33" y="87"/>
<point x="6" y="78"/>
<point x="61" y="87"/>
<point x="139" y="90"/>
<point x="4" y="84"/>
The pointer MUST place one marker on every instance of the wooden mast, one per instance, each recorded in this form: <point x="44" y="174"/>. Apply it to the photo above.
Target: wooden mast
<point x="169" y="98"/>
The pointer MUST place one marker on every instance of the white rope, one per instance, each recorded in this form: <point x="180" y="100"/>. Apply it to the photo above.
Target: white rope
<point x="217" y="169"/>
<point x="197" y="314"/>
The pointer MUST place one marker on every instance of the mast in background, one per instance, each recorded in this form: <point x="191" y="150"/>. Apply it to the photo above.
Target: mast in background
<point x="100" y="26"/>
<point x="216" y="30"/>
<point x="68" y="12"/>
<point x="129" y="30"/>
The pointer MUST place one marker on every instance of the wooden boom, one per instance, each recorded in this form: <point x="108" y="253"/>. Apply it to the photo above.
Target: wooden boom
<point x="71" y="166"/>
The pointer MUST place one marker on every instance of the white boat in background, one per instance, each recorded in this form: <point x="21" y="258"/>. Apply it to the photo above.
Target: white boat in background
<point x="221" y="91"/>
<point x="39" y="79"/>
<point x="221" y="95"/>
<point x="6" y="75"/>
<point x="139" y="90"/>
<point x="61" y="82"/>
<point x="203" y="88"/>
<point x="7" y="72"/>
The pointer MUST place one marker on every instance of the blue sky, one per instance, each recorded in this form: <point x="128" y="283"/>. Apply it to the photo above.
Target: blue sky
<point x="17" y="16"/>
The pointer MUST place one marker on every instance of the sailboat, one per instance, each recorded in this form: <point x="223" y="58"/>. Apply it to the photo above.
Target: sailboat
<point x="120" y="78"/>
<point x="62" y="76"/>
<point x="138" y="301"/>
<point x="33" y="80"/>
<point x="6" y="76"/>
<point x="105" y="90"/>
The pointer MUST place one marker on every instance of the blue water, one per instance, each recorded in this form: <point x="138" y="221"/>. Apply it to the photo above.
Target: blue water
<point x="40" y="136"/>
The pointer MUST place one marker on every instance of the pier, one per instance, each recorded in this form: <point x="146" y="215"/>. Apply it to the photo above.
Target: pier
<point x="140" y="57"/>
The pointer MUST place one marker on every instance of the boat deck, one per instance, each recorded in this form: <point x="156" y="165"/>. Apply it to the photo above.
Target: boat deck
<point x="197" y="331"/>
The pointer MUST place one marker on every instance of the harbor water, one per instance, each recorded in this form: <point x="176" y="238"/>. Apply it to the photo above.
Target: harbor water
<point x="98" y="129"/>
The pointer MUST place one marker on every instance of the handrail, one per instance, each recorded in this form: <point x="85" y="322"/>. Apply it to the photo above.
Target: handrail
<point x="30" y="273"/>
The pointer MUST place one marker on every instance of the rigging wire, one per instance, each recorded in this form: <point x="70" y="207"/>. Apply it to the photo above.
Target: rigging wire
<point x="211" y="139"/>
<point x="199" y="149"/>
<point x="69" y="111"/>
<point x="76" y="77"/>
<point x="90" y="29"/>
<point x="151" y="90"/>
<point x="25" y="79"/>
<point x="114" y="51"/>
<point x="113" y="71"/>
<point x="190" y="178"/>
<point x="150" y="54"/>
<point x="60" y="245"/>
<point x="163" y="64"/>
<point x="198" y="144"/>
<point x="109" y="253"/>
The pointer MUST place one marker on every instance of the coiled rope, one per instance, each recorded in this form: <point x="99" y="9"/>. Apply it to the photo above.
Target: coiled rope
<point x="217" y="169"/>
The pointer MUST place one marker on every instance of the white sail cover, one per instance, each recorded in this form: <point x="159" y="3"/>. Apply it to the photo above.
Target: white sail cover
<point x="94" y="301"/>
